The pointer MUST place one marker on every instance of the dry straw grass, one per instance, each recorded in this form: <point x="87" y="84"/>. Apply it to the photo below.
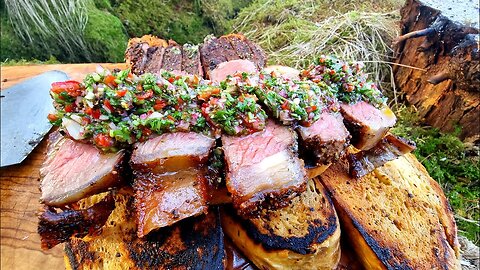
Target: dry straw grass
<point x="60" y="21"/>
<point x="295" y="32"/>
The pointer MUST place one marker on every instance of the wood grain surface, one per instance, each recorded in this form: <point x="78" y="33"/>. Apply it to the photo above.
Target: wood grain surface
<point x="19" y="203"/>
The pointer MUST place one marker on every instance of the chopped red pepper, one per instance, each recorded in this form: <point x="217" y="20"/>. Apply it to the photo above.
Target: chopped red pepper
<point x="285" y="105"/>
<point x="159" y="104"/>
<point x="311" y="109"/>
<point x="110" y="80"/>
<point x="121" y="93"/>
<point x="52" y="117"/>
<point x="69" y="107"/>
<point x="107" y="104"/>
<point x="145" y="95"/>
<point x="103" y="140"/>
<point x="71" y="87"/>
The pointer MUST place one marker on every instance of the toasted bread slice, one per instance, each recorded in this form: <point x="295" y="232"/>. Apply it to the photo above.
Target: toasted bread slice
<point x="195" y="243"/>
<point x="303" y="235"/>
<point x="396" y="217"/>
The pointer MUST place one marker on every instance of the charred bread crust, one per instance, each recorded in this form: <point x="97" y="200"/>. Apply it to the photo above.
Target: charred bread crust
<point x="306" y="231"/>
<point x="195" y="243"/>
<point x="396" y="217"/>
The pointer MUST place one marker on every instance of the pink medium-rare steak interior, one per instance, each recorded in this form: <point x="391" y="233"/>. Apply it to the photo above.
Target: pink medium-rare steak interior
<point x="326" y="139"/>
<point x="172" y="152"/>
<point x="366" y="123"/>
<point x="162" y="200"/>
<point x="224" y="69"/>
<point x="263" y="167"/>
<point x="74" y="170"/>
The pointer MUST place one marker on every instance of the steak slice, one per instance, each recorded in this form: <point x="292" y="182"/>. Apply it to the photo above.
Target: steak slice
<point x="325" y="140"/>
<point x="191" y="60"/>
<point x="367" y="124"/>
<point x="136" y="56"/>
<point x="227" y="48"/>
<point x="74" y="170"/>
<point x="258" y="55"/>
<point x="55" y="228"/>
<point x="263" y="170"/>
<point x="172" y="58"/>
<point x="163" y="199"/>
<point x="153" y="64"/>
<point x="240" y="46"/>
<point x="170" y="179"/>
<point x="212" y="53"/>
<point x="389" y="148"/>
<point x="225" y="69"/>
<point x="137" y="52"/>
<point x="171" y="152"/>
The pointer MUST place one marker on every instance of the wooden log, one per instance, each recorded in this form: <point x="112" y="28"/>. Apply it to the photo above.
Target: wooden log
<point x="441" y="37"/>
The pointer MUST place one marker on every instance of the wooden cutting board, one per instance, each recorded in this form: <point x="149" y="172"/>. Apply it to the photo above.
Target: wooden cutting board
<point x="19" y="203"/>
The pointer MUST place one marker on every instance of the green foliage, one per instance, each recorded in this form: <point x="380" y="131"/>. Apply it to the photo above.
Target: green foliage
<point x="105" y="36"/>
<point x="178" y="20"/>
<point x="70" y="31"/>
<point x="447" y="160"/>
<point x="219" y="13"/>
<point x="25" y="62"/>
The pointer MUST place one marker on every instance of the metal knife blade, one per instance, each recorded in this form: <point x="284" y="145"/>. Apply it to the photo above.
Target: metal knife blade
<point x="24" y="108"/>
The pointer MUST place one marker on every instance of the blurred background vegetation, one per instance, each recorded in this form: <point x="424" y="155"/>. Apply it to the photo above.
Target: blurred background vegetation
<point x="292" y="32"/>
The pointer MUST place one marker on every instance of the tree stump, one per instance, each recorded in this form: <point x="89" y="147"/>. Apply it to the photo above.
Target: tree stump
<point x="441" y="39"/>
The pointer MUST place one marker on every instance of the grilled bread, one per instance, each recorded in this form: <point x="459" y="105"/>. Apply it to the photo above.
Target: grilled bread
<point x="396" y="217"/>
<point x="303" y="235"/>
<point x="195" y="243"/>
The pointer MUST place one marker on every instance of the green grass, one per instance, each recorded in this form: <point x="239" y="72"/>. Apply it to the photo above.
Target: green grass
<point x="25" y="62"/>
<point x="453" y="164"/>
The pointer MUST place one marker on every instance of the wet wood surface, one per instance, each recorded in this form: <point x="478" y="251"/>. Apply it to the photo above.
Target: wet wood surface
<point x="19" y="203"/>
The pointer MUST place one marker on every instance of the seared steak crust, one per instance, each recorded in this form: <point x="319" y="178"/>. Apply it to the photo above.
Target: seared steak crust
<point x="326" y="140"/>
<point x="389" y="148"/>
<point x="367" y="124"/>
<point x="263" y="170"/>
<point x="55" y="228"/>
<point x="172" y="58"/>
<point x="154" y="56"/>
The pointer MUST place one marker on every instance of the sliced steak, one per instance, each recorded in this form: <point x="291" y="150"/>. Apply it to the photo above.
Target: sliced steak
<point x="172" y="152"/>
<point x="170" y="179"/>
<point x="325" y="140"/>
<point x="227" y="48"/>
<point x="74" y="170"/>
<point x="258" y="55"/>
<point x="172" y="58"/>
<point x="389" y="148"/>
<point x="263" y="170"/>
<point x="224" y="69"/>
<point x="55" y="228"/>
<point x="191" y="63"/>
<point x="366" y="123"/>
<point x="136" y="56"/>
<point x="212" y="53"/>
<point x="153" y="63"/>
<point x="163" y="199"/>
<point x="240" y="46"/>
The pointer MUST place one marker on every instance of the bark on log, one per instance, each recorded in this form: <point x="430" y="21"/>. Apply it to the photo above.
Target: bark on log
<point x="441" y="40"/>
